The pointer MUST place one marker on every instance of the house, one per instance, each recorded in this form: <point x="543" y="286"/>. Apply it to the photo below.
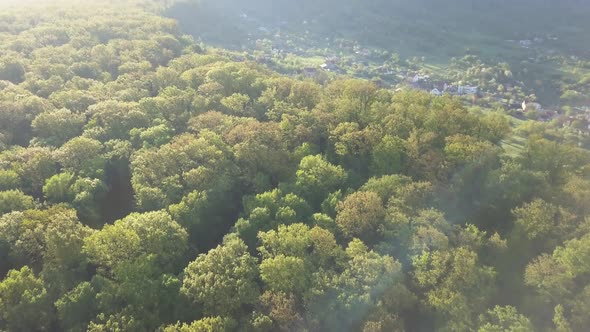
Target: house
<point x="467" y="90"/>
<point x="452" y="89"/>
<point x="364" y="52"/>
<point x="419" y="78"/>
<point x="435" y="92"/>
<point x="439" y="85"/>
<point x="329" y="66"/>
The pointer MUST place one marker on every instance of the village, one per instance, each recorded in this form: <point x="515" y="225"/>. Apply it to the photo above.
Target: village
<point x="364" y="63"/>
<point x="298" y="56"/>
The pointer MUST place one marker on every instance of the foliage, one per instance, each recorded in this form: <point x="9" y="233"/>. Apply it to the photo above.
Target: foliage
<point x="223" y="280"/>
<point x="148" y="183"/>
<point x="22" y="296"/>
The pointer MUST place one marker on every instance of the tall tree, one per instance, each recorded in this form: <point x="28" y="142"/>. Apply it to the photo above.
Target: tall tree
<point x="224" y="279"/>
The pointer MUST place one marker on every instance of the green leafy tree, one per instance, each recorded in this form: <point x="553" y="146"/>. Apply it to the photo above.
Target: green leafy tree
<point x="494" y="127"/>
<point x="316" y="246"/>
<point x="388" y="156"/>
<point x="269" y="210"/>
<point x="82" y="156"/>
<point x="34" y="165"/>
<point x="353" y="145"/>
<point x="57" y="127"/>
<point x="77" y="308"/>
<point x="142" y="293"/>
<point x="153" y="136"/>
<point x="24" y="303"/>
<point x="455" y="286"/>
<point x="561" y="279"/>
<point x="544" y="224"/>
<point x="72" y="99"/>
<point x="88" y="196"/>
<point x="208" y="324"/>
<point x="138" y="235"/>
<point x="64" y="263"/>
<point x="162" y="176"/>
<point x="561" y="323"/>
<point x="504" y="319"/>
<point x="360" y="215"/>
<point x="341" y="300"/>
<point x="58" y="188"/>
<point x="120" y="321"/>
<point x="9" y="180"/>
<point x="12" y="70"/>
<point x="48" y="240"/>
<point x="284" y="274"/>
<point x="282" y="309"/>
<point x="116" y="119"/>
<point x="260" y="154"/>
<point x="15" y="200"/>
<point x="224" y="279"/>
<point x="316" y="178"/>
<point x="554" y="159"/>
<point x="388" y="186"/>
<point x="237" y="104"/>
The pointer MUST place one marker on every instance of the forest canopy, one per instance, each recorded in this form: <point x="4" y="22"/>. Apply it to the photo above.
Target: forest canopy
<point x="149" y="182"/>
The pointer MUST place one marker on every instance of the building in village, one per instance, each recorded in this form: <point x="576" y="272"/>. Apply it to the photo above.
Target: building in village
<point x="329" y="66"/>
<point x="467" y="90"/>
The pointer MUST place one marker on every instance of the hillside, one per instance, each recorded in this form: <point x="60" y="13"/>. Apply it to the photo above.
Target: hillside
<point x="411" y="28"/>
<point x="433" y="30"/>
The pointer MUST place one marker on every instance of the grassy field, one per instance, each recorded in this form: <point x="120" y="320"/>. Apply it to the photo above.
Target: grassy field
<point x="513" y="146"/>
<point x="311" y="61"/>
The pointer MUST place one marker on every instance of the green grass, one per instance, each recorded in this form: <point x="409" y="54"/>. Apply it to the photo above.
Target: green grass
<point x="513" y="146"/>
<point x="311" y="61"/>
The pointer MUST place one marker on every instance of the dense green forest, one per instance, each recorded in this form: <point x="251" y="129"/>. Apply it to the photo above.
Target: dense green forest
<point x="150" y="182"/>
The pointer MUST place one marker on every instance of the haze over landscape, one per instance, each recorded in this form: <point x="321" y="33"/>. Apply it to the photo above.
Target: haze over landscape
<point x="260" y="165"/>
